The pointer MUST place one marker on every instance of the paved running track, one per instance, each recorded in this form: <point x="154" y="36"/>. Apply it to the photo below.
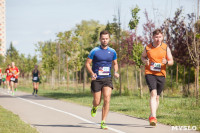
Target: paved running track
<point x="55" y="116"/>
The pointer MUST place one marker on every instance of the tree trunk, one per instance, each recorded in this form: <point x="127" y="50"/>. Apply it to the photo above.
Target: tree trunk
<point x="136" y="79"/>
<point x="84" y="78"/>
<point x="59" y="63"/>
<point x="120" y="79"/>
<point x="177" y="73"/>
<point x="184" y="89"/>
<point x="141" y="93"/>
<point x="172" y="80"/>
<point x="52" y="80"/>
<point x="188" y="92"/>
<point x="67" y="69"/>
<point x="197" y="81"/>
<point x="80" y="77"/>
<point x="76" y="80"/>
<point x="127" y="77"/>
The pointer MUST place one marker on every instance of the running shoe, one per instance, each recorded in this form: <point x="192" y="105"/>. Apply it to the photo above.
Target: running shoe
<point x="15" y="89"/>
<point x="33" y="93"/>
<point x="36" y="95"/>
<point x="13" y="93"/>
<point x="152" y="121"/>
<point x="93" y="111"/>
<point x="103" y="125"/>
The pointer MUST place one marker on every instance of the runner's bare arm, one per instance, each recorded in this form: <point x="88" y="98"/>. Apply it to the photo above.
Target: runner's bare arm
<point x="88" y="66"/>
<point x="38" y="73"/>
<point x="115" y="65"/>
<point x="169" y="57"/>
<point x="18" y="72"/>
<point x="144" y="57"/>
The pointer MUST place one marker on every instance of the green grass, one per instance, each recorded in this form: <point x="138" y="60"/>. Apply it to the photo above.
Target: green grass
<point x="176" y="110"/>
<point x="11" y="123"/>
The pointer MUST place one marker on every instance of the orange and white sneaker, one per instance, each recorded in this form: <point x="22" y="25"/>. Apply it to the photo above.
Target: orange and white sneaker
<point x="152" y="121"/>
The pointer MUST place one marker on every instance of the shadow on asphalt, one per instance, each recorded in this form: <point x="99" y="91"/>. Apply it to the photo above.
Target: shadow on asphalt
<point x="33" y="97"/>
<point x="78" y="126"/>
<point x="126" y="125"/>
<point x="59" y="95"/>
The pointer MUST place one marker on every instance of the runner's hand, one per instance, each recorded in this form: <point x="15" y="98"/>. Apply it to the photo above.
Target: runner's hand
<point x="94" y="76"/>
<point x="164" y="60"/>
<point x="146" y="62"/>
<point x="116" y="75"/>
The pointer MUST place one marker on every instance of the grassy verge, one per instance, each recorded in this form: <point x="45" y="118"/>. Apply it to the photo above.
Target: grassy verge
<point x="176" y="110"/>
<point x="11" y="123"/>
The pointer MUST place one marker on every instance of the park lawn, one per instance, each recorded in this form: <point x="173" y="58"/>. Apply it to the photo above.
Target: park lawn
<point x="11" y="123"/>
<point x="176" y="110"/>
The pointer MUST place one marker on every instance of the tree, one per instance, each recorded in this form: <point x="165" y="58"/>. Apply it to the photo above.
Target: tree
<point x="137" y="52"/>
<point x="12" y="53"/>
<point x="64" y="40"/>
<point x="49" y="58"/>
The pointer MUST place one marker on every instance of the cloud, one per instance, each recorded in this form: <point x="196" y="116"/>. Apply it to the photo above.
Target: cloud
<point x="47" y="32"/>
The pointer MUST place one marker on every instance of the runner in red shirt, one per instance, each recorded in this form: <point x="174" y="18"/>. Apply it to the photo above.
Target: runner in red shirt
<point x="1" y="76"/>
<point x="14" y="78"/>
<point x="8" y="76"/>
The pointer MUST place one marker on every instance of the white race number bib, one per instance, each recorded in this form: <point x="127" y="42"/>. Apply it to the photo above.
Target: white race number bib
<point x="35" y="78"/>
<point x="155" y="67"/>
<point x="104" y="71"/>
<point x="12" y="79"/>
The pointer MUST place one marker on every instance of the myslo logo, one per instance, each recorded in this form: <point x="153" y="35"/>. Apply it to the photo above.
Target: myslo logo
<point x="184" y="128"/>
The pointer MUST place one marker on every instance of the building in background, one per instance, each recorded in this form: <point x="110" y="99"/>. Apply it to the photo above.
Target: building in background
<point x="2" y="27"/>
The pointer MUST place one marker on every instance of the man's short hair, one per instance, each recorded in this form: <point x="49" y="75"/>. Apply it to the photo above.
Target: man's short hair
<point x="157" y="31"/>
<point x="104" y="32"/>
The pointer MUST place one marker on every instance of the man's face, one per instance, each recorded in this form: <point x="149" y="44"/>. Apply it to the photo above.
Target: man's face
<point x="104" y="39"/>
<point x="158" y="38"/>
<point x="13" y="64"/>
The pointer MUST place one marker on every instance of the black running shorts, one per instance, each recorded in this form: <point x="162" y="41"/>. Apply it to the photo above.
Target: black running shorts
<point x="155" y="82"/>
<point x="14" y="80"/>
<point x="98" y="84"/>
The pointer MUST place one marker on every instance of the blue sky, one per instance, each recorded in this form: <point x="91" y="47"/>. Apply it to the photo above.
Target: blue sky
<point x="30" y="21"/>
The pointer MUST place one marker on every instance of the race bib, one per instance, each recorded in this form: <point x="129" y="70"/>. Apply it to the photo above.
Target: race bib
<point x="155" y="67"/>
<point x="12" y="79"/>
<point x="35" y="78"/>
<point x="104" y="71"/>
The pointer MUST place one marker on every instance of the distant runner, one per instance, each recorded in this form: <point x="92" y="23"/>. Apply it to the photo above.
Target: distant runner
<point x="14" y="78"/>
<point x="155" y="57"/>
<point x="8" y="76"/>
<point x="36" y="80"/>
<point x="4" y="80"/>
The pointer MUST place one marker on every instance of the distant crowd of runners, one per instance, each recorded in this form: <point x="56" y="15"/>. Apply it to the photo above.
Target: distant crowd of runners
<point x="9" y="78"/>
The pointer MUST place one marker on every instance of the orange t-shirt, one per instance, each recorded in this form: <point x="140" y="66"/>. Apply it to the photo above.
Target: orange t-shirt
<point x="14" y="71"/>
<point x="155" y="56"/>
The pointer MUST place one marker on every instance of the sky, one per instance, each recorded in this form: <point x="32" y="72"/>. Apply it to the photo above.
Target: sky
<point x="30" y="21"/>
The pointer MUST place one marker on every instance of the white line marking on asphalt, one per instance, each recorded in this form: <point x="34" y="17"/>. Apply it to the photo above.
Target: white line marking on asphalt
<point x="73" y="115"/>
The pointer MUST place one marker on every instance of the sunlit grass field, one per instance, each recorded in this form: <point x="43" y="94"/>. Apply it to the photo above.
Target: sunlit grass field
<point x="11" y="123"/>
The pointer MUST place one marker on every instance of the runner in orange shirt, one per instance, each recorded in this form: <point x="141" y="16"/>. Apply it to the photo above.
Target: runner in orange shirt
<point x="155" y="57"/>
<point x="14" y="78"/>
<point x="8" y="76"/>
